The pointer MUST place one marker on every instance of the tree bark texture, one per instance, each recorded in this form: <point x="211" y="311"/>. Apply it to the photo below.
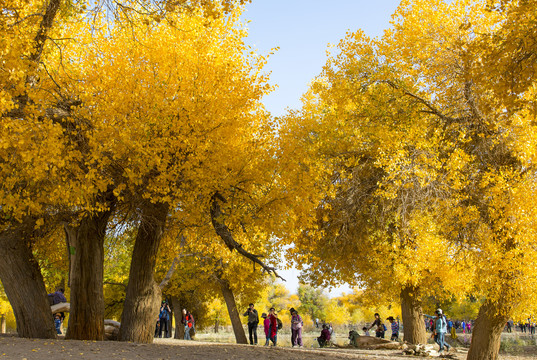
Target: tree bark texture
<point x="487" y="332"/>
<point x="143" y="293"/>
<point x="413" y="322"/>
<point x="178" y="315"/>
<point x="23" y="283"/>
<point x="234" y="315"/>
<point x="85" y="243"/>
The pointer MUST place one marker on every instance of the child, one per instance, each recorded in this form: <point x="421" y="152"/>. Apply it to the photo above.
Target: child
<point x="366" y="331"/>
<point x="395" y="329"/>
<point x="266" y="324"/>
<point x="58" y="323"/>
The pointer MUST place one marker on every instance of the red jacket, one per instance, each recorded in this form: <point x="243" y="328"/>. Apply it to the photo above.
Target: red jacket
<point x="273" y="325"/>
<point x="188" y="319"/>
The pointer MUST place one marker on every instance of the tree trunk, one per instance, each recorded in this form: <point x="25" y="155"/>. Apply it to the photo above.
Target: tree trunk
<point x="486" y="332"/>
<point x="216" y="325"/>
<point x="2" y="324"/>
<point x="240" y="336"/>
<point x="172" y="315"/>
<point x="86" y="253"/>
<point x="178" y="315"/>
<point x="143" y="293"/>
<point x="23" y="283"/>
<point x="413" y="322"/>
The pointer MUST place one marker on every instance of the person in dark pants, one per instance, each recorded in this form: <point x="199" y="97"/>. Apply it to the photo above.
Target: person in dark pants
<point x="379" y="326"/>
<point x="157" y="328"/>
<point x="164" y="316"/>
<point x="253" y="321"/>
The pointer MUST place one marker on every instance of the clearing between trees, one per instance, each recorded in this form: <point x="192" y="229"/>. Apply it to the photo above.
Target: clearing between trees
<point x="12" y="347"/>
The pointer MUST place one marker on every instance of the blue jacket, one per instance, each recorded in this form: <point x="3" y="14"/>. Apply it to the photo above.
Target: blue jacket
<point x="164" y="314"/>
<point x="440" y="322"/>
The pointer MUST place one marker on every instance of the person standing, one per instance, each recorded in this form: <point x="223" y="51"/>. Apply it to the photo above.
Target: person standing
<point x="266" y="328"/>
<point x="164" y="317"/>
<point x="395" y="329"/>
<point x="379" y="326"/>
<point x="188" y="321"/>
<point x="273" y="326"/>
<point x="253" y="321"/>
<point x="58" y="323"/>
<point x="440" y="329"/>
<point x="453" y="332"/>
<point x="296" y="329"/>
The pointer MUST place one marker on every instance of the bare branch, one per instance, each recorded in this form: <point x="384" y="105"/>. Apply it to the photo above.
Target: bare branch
<point x="223" y="231"/>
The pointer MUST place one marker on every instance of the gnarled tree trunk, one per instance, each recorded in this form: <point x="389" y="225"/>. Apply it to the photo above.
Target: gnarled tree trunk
<point x="143" y="293"/>
<point x="413" y="323"/>
<point x="487" y="332"/>
<point x="86" y="254"/>
<point x="234" y="315"/>
<point x="23" y="283"/>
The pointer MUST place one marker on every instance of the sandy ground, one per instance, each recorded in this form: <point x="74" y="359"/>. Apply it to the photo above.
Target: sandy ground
<point x="16" y="348"/>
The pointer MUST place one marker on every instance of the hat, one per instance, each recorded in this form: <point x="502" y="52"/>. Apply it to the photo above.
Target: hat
<point x="264" y="315"/>
<point x="439" y="311"/>
<point x="390" y="318"/>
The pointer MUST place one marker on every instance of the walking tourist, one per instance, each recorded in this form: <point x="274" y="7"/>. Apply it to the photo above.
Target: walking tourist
<point x="253" y="321"/>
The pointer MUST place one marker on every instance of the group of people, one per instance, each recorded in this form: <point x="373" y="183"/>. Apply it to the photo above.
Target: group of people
<point x="271" y="325"/>
<point x="524" y="327"/>
<point x="164" y="318"/>
<point x="380" y="328"/>
<point x="438" y="324"/>
<point x="452" y="326"/>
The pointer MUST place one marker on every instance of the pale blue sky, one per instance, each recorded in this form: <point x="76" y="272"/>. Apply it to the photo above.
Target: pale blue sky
<point x="302" y="30"/>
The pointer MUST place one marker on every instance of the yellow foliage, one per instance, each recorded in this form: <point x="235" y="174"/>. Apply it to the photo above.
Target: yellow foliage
<point x="416" y="151"/>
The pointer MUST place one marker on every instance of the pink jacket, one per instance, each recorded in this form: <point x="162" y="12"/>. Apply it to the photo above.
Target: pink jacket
<point x="266" y="324"/>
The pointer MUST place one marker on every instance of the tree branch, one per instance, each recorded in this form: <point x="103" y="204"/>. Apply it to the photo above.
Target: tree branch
<point x="432" y="109"/>
<point x="225" y="234"/>
<point x="172" y="268"/>
<point x="46" y="25"/>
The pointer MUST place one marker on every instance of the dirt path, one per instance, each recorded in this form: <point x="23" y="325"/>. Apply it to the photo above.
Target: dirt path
<point x="37" y="349"/>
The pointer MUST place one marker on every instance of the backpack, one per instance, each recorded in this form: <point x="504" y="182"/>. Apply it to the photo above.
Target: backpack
<point x="384" y="327"/>
<point x="280" y="324"/>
